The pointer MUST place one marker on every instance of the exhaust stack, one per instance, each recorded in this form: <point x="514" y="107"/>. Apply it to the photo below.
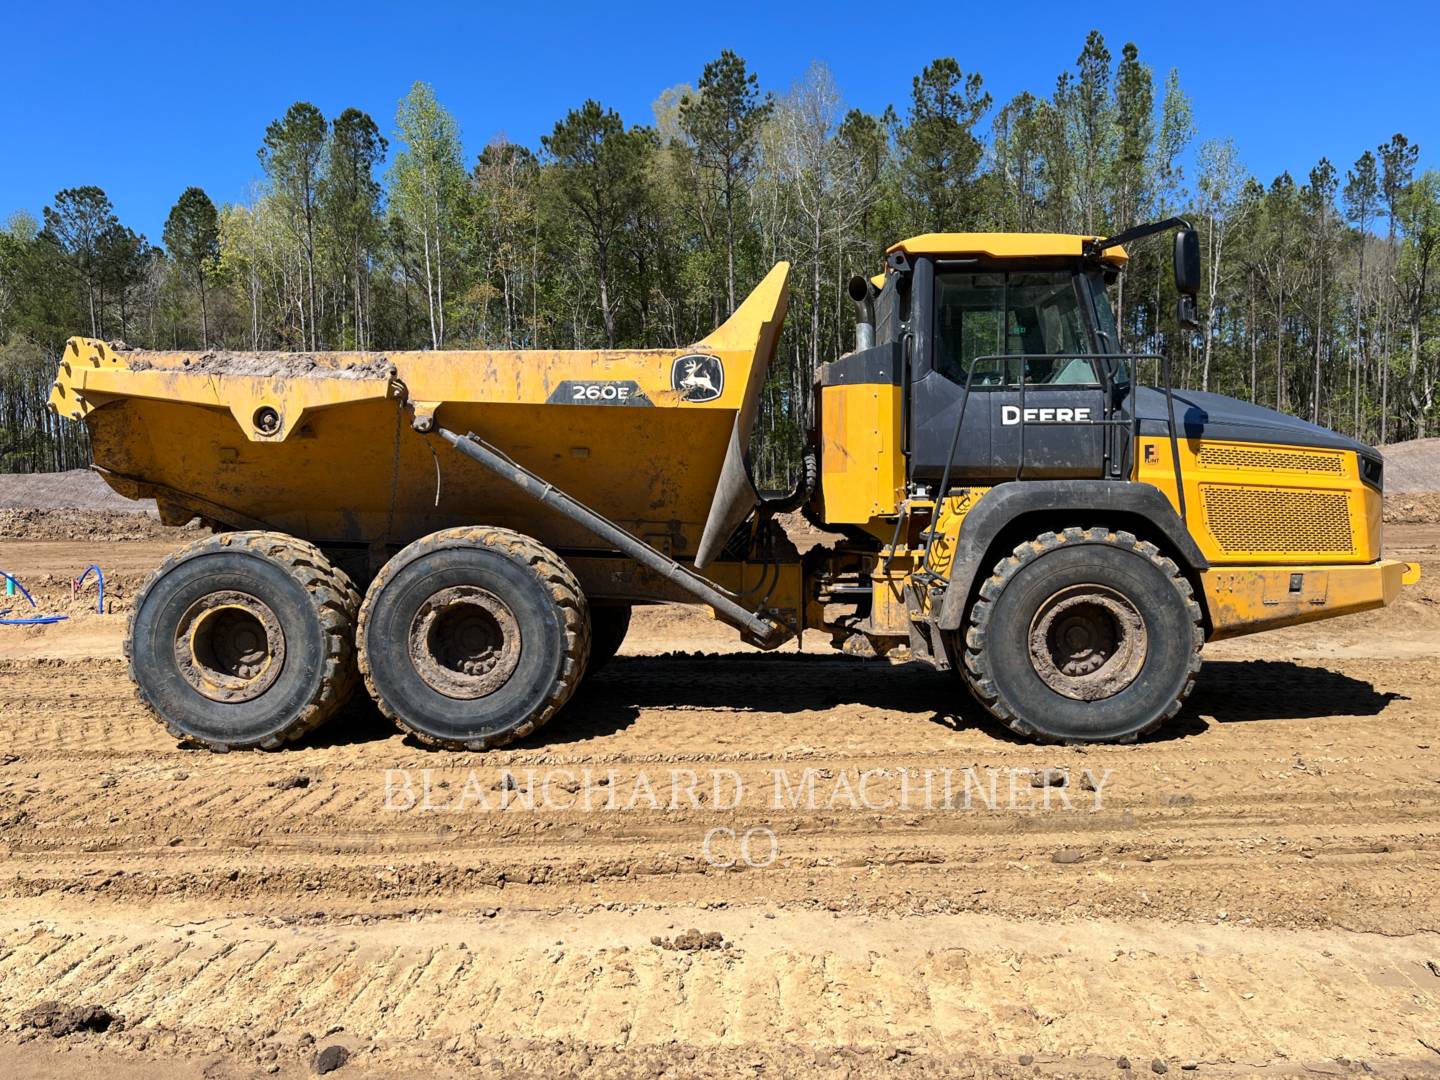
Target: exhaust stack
<point x="863" y="294"/>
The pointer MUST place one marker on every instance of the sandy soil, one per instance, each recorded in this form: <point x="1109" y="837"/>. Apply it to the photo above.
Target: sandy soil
<point x="1256" y="890"/>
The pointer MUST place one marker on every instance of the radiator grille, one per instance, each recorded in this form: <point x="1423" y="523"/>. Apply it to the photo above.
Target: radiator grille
<point x="1252" y="457"/>
<point x="1251" y="520"/>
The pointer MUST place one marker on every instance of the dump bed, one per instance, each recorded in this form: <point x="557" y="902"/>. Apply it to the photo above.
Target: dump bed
<point x="324" y="445"/>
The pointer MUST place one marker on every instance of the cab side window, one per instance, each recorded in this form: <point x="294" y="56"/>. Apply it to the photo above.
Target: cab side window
<point x="1000" y="314"/>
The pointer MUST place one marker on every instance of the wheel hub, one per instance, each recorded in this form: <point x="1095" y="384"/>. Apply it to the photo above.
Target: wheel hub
<point x="229" y="646"/>
<point x="1088" y="642"/>
<point x="465" y="642"/>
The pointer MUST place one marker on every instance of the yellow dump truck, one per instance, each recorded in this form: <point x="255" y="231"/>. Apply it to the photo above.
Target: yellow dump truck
<point x="469" y="530"/>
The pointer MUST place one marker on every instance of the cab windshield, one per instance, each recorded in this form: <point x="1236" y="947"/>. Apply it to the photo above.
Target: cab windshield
<point x="994" y="314"/>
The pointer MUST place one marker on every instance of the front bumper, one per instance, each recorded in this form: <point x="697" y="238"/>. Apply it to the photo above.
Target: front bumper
<point x="1248" y="599"/>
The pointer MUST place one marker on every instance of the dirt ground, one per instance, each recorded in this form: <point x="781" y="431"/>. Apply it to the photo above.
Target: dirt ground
<point x="1254" y="891"/>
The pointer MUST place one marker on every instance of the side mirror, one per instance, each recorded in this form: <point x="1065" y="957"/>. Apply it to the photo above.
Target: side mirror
<point x="1187" y="277"/>
<point x="1187" y="262"/>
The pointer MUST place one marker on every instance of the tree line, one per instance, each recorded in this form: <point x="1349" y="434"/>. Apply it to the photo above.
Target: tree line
<point x="1319" y="293"/>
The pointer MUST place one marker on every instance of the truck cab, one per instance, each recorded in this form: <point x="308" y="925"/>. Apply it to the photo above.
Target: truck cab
<point x="988" y="423"/>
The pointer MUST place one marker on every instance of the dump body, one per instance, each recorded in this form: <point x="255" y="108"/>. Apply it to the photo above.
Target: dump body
<point x="323" y="446"/>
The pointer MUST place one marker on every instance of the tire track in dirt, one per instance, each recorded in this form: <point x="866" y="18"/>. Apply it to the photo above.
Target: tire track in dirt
<point x="938" y="985"/>
<point x="1259" y="889"/>
<point x="1231" y="813"/>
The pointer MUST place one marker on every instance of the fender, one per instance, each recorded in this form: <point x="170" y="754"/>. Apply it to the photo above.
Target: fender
<point x="1002" y="505"/>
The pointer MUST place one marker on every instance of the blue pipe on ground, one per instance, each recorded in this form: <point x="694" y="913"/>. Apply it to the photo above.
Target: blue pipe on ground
<point x="32" y="620"/>
<point x="99" y="586"/>
<point x="13" y="580"/>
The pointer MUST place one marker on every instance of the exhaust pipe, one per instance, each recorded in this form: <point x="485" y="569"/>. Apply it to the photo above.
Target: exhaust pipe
<point x="863" y="294"/>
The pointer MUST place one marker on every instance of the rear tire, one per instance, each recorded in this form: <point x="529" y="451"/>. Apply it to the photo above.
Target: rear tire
<point x="1084" y="636"/>
<point x="609" y="623"/>
<point x="244" y="639"/>
<point x="474" y="637"/>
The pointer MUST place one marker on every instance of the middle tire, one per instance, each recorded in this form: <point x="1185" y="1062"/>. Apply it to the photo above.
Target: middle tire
<point x="609" y="623"/>
<point x="473" y="637"/>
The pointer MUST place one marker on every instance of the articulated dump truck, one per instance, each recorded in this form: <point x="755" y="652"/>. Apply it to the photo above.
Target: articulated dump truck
<point x="467" y="532"/>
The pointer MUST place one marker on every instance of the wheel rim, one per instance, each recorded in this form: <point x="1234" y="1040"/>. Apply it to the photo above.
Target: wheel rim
<point x="229" y="646"/>
<point x="1088" y="642"/>
<point x="465" y="642"/>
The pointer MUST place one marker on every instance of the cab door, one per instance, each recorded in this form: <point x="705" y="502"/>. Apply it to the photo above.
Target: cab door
<point x="997" y="328"/>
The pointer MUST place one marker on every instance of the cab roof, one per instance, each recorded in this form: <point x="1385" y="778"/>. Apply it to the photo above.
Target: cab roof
<point x="1006" y="245"/>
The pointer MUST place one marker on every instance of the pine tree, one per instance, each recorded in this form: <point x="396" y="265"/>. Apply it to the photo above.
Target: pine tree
<point x="600" y="171"/>
<point x="1362" y="197"/>
<point x="77" y="221"/>
<point x="939" y="150"/>
<point x="350" y="208"/>
<point x="723" y="119"/>
<point x="192" y="235"/>
<point x="292" y="155"/>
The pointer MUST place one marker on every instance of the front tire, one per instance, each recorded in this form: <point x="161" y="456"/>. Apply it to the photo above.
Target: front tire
<point x="1084" y="636"/>
<point x="471" y="638"/>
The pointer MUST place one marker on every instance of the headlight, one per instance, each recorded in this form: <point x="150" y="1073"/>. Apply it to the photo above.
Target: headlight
<point x="1372" y="471"/>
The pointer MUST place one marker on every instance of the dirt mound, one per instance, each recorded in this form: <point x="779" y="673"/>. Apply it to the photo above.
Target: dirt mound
<point x="1417" y="508"/>
<point x="58" y="1020"/>
<point x="34" y="523"/>
<point x="271" y="365"/>
<point x="1412" y="467"/>
<point x="78" y="488"/>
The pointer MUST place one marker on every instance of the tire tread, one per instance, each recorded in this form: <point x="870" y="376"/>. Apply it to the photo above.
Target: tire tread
<point x="565" y="592"/>
<point x="336" y="602"/>
<point x="977" y="662"/>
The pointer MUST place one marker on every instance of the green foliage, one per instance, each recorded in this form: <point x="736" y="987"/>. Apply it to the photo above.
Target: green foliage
<point x="350" y="197"/>
<point x="1318" y="298"/>
<point x="723" y="121"/>
<point x="75" y="224"/>
<point x="939" y="150"/>
<point x="192" y="234"/>
<point x="597" y="186"/>
<point x="291" y="156"/>
<point x="426" y="184"/>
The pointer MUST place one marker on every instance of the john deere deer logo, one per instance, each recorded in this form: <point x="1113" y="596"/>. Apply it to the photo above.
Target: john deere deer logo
<point x="698" y="377"/>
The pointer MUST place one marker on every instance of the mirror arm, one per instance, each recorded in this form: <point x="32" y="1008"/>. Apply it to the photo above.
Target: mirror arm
<point x="1094" y="248"/>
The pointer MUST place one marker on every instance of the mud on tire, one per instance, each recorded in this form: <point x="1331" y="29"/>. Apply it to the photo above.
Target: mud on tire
<point x="471" y="638"/>
<point x="244" y="639"/>
<point x="1087" y="635"/>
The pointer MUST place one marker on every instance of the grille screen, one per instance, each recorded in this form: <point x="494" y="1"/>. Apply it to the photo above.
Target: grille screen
<point x="1274" y="520"/>
<point x="1249" y="457"/>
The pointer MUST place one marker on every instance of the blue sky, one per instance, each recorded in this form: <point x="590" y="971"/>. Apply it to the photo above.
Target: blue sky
<point x="146" y="99"/>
